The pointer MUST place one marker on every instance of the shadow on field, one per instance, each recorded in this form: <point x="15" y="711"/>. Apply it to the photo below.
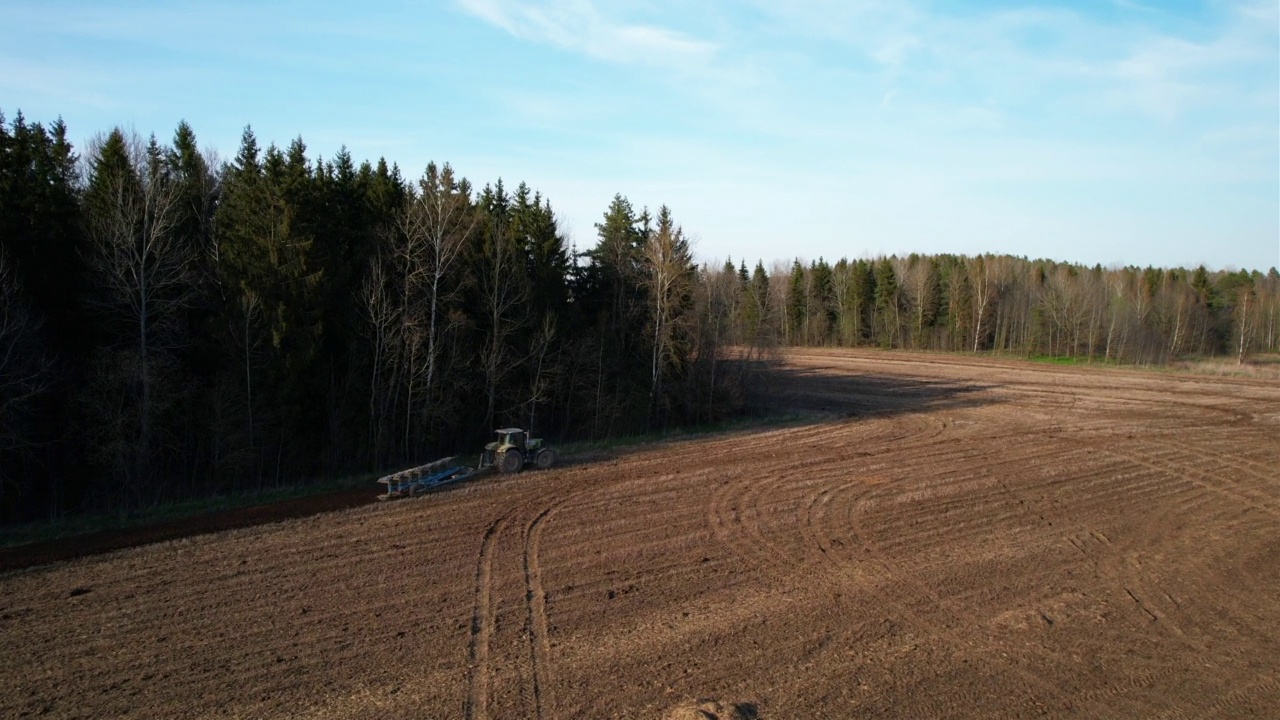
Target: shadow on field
<point x="778" y="396"/>
<point x="789" y="390"/>
<point x="94" y="543"/>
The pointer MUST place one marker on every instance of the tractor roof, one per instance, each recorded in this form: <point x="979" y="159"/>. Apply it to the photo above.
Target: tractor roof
<point x="504" y="431"/>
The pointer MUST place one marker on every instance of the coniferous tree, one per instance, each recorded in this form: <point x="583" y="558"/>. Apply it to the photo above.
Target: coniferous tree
<point x="759" y="312"/>
<point x="268" y="280"/>
<point x="611" y="289"/>
<point x="797" y="312"/>
<point x="40" y="226"/>
<point x="819" y="303"/>
<point x="888" y="304"/>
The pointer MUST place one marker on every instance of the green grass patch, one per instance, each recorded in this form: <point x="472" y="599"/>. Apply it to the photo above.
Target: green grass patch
<point x="1059" y="359"/>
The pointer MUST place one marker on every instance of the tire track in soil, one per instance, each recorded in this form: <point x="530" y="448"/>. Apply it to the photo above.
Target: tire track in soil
<point x="1185" y="468"/>
<point x="1184" y="462"/>
<point x="482" y="626"/>
<point x="1132" y="582"/>
<point x="732" y="504"/>
<point x="1238" y="459"/>
<point x="735" y="514"/>
<point x="733" y="528"/>
<point x="1251" y="700"/>
<point x="535" y="597"/>
<point x="877" y="571"/>
<point x="1258" y="474"/>
<point x="1112" y="562"/>
<point x="536" y="613"/>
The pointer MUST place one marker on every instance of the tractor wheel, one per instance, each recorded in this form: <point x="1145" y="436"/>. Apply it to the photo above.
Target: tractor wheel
<point x="545" y="459"/>
<point x="510" y="462"/>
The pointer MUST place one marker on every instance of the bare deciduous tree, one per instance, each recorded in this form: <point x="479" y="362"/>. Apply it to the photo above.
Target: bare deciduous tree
<point x="668" y="266"/>
<point x="983" y="286"/>
<point x="406" y="292"/>
<point x="505" y="294"/>
<point x="543" y="366"/>
<point x="144" y="272"/>
<point x="1246" y="321"/>
<point x="24" y="373"/>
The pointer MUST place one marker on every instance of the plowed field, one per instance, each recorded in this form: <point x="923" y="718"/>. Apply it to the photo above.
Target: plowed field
<point x="945" y="538"/>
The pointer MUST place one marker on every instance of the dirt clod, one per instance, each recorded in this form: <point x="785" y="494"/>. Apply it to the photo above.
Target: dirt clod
<point x="712" y="710"/>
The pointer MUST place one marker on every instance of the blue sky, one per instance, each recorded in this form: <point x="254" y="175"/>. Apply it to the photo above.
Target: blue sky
<point x="1121" y="132"/>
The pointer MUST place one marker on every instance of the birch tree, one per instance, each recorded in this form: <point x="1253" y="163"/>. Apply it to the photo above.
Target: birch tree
<point x="669" y="268"/>
<point x="983" y="289"/>
<point x="405" y="296"/>
<point x="1245" y="317"/>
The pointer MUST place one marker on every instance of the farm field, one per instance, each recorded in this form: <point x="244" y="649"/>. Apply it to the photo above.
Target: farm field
<point x="948" y="537"/>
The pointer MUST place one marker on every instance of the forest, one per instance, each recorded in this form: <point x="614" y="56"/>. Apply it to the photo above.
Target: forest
<point x="173" y="326"/>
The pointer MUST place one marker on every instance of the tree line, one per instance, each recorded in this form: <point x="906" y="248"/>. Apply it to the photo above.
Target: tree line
<point x="1007" y="304"/>
<point x="174" y="326"/>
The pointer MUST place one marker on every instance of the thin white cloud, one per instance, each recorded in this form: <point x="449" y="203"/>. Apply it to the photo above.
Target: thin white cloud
<point x="896" y="50"/>
<point x="1032" y="55"/>
<point x="579" y="26"/>
<point x="1167" y="76"/>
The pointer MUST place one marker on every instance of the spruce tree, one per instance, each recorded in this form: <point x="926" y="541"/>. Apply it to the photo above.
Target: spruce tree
<point x="887" y="303"/>
<point x="797" y="305"/>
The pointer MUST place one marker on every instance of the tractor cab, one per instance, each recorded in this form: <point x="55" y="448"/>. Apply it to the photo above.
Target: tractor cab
<point x="510" y="438"/>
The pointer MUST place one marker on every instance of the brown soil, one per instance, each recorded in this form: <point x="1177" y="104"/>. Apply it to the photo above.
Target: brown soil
<point x="949" y="538"/>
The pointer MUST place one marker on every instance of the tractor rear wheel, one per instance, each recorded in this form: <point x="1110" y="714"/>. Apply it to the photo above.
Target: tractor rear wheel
<point x="510" y="462"/>
<point x="545" y="459"/>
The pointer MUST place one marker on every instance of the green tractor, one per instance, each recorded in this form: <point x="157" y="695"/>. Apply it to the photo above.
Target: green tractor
<point x="513" y="450"/>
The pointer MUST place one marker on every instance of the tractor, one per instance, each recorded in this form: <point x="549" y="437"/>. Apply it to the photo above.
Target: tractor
<point x="514" y="449"/>
<point x="509" y="455"/>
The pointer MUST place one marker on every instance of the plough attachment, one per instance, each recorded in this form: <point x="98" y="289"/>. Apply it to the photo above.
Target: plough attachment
<point x="418" y="480"/>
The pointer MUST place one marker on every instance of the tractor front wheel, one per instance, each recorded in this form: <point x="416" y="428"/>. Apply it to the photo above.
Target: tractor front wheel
<point x="545" y="459"/>
<point x="510" y="462"/>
